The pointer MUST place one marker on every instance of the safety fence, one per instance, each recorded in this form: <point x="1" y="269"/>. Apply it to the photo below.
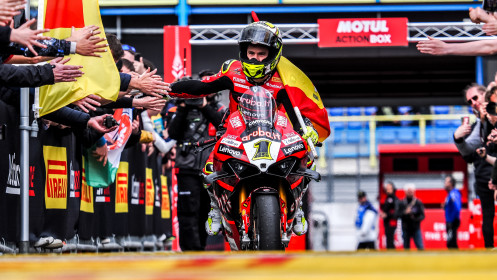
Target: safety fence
<point x="132" y="213"/>
<point x="366" y="132"/>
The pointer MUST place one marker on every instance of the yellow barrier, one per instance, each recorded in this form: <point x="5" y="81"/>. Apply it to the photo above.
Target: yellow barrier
<point x="372" y="126"/>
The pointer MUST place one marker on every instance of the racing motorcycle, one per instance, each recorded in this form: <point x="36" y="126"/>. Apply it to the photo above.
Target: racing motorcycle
<point x="260" y="172"/>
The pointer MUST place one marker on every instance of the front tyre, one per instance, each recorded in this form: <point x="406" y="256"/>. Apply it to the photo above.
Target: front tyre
<point x="266" y="212"/>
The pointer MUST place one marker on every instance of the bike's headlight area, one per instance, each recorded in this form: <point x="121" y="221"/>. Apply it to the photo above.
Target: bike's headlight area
<point x="282" y="168"/>
<point x="243" y="169"/>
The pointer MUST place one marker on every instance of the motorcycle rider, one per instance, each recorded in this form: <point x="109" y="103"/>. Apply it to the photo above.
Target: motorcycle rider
<point x="260" y="46"/>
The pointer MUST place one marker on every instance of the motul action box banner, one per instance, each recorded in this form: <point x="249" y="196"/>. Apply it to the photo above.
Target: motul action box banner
<point x="362" y="32"/>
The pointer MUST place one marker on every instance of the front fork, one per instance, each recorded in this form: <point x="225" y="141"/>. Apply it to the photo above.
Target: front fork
<point x="245" y="207"/>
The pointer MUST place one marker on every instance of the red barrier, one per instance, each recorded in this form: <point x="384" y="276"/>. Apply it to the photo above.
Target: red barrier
<point x="433" y="231"/>
<point x="475" y="222"/>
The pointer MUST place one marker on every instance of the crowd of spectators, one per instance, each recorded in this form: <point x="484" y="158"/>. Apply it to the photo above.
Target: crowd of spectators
<point x="85" y="120"/>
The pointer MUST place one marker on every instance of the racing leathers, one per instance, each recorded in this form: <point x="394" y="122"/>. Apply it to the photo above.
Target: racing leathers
<point x="231" y="78"/>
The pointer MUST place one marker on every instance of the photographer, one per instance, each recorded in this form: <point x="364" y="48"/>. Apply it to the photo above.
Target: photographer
<point x="488" y="153"/>
<point x="468" y="138"/>
<point x="190" y="124"/>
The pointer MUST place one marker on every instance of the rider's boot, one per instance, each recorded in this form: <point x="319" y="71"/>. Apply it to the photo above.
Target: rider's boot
<point x="300" y="225"/>
<point x="213" y="225"/>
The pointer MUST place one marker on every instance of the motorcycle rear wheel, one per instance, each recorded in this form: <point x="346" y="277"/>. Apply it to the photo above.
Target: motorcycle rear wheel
<point x="267" y="223"/>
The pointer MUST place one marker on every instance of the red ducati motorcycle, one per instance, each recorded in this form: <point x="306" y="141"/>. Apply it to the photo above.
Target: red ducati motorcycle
<point x="261" y="169"/>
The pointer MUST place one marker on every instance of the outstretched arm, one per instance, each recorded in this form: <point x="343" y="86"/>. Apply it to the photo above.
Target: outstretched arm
<point x="474" y="48"/>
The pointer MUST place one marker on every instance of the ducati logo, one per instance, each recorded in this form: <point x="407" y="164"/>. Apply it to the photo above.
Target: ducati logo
<point x="263" y="148"/>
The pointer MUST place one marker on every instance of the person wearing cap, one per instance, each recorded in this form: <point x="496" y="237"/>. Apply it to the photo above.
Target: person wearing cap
<point x="365" y="223"/>
<point x="412" y="213"/>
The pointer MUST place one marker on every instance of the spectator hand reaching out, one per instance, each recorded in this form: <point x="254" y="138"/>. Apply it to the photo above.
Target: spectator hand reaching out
<point x="65" y="73"/>
<point x="9" y="9"/>
<point x="88" y="103"/>
<point x="87" y="41"/>
<point x="27" y="37"/>
<point x="97" y="123"/>
<point x="433" y="46"/>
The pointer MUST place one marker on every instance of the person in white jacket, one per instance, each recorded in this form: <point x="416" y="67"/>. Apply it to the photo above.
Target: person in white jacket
<point x="366" y="223"/>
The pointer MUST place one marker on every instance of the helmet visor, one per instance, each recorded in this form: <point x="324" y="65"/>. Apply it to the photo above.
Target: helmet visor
<point x="257" y="35"/>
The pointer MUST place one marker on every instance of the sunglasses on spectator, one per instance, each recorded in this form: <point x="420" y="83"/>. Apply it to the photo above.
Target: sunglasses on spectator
<point x="128" y="48"/>
<point x="474" y="98"/>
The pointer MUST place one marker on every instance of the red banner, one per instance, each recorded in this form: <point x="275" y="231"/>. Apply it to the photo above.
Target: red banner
<point x="174" y="209"/>
<point x="177" y="53"/>
<point x="362" y="32"/>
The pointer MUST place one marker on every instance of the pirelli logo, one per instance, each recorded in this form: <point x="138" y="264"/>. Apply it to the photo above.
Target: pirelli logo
<point x="149" y="193"/>
<point x="56" y="186"/>
<point x="122" y="188"/>
<point x="165" y="203"/>
<point x="56" y="179"/>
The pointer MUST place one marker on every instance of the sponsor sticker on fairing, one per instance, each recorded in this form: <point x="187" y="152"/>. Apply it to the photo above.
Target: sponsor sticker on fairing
<point x="236" y="122"/>
<point x="291" y="140"/>
<point x="231" y="142"/>
<point x="293" y="149"/>
<point x="230" y="151"/>
<point x="282" y="121"/>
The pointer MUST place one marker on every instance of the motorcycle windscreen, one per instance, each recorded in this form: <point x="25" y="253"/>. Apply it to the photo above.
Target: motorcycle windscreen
<point x="257" y="107"/>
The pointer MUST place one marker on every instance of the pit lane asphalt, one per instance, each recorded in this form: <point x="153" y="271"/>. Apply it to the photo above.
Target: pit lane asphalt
<point x="427" y="265"/>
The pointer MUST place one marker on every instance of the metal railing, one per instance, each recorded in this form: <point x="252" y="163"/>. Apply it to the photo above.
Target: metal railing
<point x="307" y="33"/>
<point x="422" y="119"/>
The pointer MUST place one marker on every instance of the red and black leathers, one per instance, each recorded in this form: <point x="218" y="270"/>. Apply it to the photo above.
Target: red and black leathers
<point x="231" y="77"/>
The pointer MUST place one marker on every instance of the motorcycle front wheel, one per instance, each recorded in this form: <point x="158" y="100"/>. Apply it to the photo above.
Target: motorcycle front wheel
<point x="267" y="222"/>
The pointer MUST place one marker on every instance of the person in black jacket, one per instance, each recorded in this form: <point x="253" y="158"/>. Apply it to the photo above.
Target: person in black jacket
<point x="389" y="213"/>
<point x="468" y="138"/>
<point x="412" y="212"/>
<point x="190" y="124"/>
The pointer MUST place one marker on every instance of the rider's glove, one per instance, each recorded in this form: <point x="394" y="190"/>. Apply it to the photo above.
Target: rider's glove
<point x="311" y="133"/>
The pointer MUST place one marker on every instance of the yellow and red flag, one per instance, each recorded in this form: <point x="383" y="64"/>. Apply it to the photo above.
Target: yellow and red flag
<point x="304" y="95"/>
<point x="101" y="76"/>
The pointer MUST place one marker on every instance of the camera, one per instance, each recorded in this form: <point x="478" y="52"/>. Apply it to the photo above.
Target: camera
<point x="489" y="5"/>
<point x="109" y="122"/>
<point x="492" y="108"/>
<point x="194" y="101"/>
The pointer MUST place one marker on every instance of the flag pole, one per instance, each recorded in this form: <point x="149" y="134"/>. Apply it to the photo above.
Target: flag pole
<point x="24" y="128"/>
<point x="304" y="129"/>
